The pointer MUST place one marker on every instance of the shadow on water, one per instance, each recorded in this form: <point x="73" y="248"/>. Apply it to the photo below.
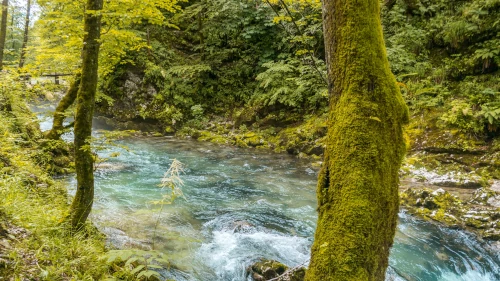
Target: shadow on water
<point x="245" y="204"/>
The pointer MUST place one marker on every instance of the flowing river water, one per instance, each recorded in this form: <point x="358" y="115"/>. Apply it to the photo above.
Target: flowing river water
<point x="244" y="204"/>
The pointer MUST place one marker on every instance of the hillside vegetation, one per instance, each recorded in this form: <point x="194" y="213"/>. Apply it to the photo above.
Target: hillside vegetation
<point x="260" y="66"/>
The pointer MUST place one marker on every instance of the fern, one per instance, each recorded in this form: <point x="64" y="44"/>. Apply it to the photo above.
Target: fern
<point x="136" y="264"/>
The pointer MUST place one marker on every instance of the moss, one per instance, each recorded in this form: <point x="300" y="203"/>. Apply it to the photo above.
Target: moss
<point x="442" y="140"/>
<point x="253" y="140"/>
<point x="475" y="223"/>
<point x="56" y="156"/>
<point x="239" y="142"/>
<point x="358" y="183"/>
<point x="85" y="103"/>
<point x="214" y="138"/>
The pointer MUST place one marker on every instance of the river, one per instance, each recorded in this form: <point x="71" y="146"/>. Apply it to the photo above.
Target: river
<point x="244" y="204"/>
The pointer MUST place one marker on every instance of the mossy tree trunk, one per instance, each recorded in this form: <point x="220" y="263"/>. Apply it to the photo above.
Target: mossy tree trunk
<point x="59" y="114"/>
<point x="358" y="184"/>
<point x="26" y="32"/>
<point x="84" y="162"/>
<point x="3" y="29"/>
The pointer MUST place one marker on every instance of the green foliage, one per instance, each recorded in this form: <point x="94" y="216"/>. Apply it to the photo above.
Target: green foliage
<point x="461" y="115"/>
<point x="223" y="56"/>
<point x="13" y="93"/>
<point x="197" y="111"/>
<point x="447" y="59"/>
<point x="58" y="49"/>
<point x="227" y="55"/>
<point x="292" y="84"/>
<point x="15" y="30"/>
<point x="491" y="112"/>
<point x="477" y="111"/>
<point x="135" y="264"/>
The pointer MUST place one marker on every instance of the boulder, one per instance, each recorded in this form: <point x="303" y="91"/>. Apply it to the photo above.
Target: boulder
<point x="264" y="270"/>
<point x="241" y="226"/>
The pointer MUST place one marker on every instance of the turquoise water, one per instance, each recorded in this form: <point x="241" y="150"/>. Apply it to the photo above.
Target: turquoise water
<point x="246" y="204"/>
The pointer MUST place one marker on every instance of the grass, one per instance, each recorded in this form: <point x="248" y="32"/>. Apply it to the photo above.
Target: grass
<point x="38" y="245"/>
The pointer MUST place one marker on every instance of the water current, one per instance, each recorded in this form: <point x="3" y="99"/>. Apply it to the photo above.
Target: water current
<point x="244" y="204"/>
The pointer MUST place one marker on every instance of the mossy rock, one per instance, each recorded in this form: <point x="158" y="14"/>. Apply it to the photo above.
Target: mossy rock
<point x="264" y="270"/>
<point x="254" y="142"/>
<point x="246" y="116"/>
<point x="214" y="138"/>
<point x="446" y="141"/>
<point x="475" y="223"/>
<point x="57" y="154"/>
<point x="476" y="214"/>
<point x="317" y="150"/>
<point x="195" y="134"/>
<point x="239" y="142"/>
<point x="492" y="234"/>
<point x="203" y="136"/>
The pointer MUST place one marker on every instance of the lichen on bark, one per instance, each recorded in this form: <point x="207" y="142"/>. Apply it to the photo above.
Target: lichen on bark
<point x="358" y="184"/>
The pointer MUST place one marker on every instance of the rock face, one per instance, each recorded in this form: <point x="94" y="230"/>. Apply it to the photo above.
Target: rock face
<point x="269" y="269"/>
<point x="132" y="97"/>
<point x="480" y="213"/>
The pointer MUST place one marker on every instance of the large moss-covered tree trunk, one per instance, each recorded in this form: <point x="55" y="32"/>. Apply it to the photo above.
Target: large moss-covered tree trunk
<point x="84" y="162"/>
<point x="59" y="114"/>
<point x="358" y="185"/>
<point x="3" y="29"/>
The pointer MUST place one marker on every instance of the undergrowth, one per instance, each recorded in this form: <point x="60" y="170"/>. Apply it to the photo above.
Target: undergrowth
<point x="40" y="247"/>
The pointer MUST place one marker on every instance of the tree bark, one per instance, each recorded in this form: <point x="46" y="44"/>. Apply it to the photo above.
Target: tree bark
<point x="26" y="31"/>
<point x="3" y="29"/>
<point x="12" y="18"/>
<point x="59" y="116"/>
<point x="357" y="188"/>
<point x="84" y="162"/>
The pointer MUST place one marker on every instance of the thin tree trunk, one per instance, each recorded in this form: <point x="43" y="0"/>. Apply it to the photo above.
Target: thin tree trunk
<point x="200" y="33"/>
<point x="12" y="18"/>
<point x="84" y="162"/>
<point x="59" y="116"/>
<point x="3" y="29"/>
<point x="26" y="31"/>
<point x="358" y="184"/>
<point x="149" y="43"/>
